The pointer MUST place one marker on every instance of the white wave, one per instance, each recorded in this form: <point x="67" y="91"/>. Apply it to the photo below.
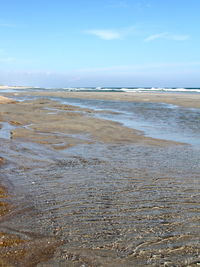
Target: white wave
<point x="160" y="89"/>
<point x="182" y="90"/>
<point x="133" y="89"/>
<point x="140" y="89"/>
<point x="123" y="89"/>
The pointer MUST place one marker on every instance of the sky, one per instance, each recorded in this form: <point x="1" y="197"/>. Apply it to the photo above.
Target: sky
<point x="118" y="43"/>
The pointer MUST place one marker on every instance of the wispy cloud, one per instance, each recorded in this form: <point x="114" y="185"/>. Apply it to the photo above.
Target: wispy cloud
<point x="105" y="34"/>
<point x="109" y="34"/>
<point x="167" y="36"/>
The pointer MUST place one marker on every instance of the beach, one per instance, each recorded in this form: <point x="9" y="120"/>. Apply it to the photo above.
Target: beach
<point x="5" y="100"/>
<point x="180" y="99"/>
<point x="82" y="186"/>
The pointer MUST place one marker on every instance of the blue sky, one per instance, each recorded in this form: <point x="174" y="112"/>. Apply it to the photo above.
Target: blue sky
<point x="100" y="43"/>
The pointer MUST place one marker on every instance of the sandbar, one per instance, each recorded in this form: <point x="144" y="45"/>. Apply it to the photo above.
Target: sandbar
<point x="49" y="122"/>
<point x="188" y="100"/>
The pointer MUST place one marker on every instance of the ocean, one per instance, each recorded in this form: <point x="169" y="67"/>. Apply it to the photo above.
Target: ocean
<point x="112" y="89"/>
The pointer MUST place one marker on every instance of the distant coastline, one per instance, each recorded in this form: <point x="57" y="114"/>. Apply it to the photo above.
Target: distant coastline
<point x="14" y="87"/>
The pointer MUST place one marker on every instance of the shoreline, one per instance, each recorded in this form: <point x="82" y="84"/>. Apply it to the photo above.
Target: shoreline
<point x="3" y="87"/>
<point x="49" y="122"/>
<point x="179" y="99"/>
<point x="6" y="100"/>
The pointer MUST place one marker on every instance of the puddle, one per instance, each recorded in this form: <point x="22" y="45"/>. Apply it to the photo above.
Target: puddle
<point x="6" y="130"/>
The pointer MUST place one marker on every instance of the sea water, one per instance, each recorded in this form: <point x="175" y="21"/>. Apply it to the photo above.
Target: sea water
<point x="157" y="120"/>
<point x="109" y="89"/>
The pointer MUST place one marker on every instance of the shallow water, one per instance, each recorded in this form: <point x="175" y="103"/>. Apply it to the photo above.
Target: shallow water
<point x="106" y="205"/>
<point x="157" y="120"/>
<point x="5" y="130"/>
<point x="136" y="205"/>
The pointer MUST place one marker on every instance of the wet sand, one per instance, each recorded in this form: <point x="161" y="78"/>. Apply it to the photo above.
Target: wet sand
<point x="46" y="121"/>
<point x="180" y="99"/>
<point x="82" y="191"/>
<point x="4" y="100"/>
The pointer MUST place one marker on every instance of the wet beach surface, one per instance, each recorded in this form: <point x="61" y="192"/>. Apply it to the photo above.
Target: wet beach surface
<point x="83" y="191"/>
